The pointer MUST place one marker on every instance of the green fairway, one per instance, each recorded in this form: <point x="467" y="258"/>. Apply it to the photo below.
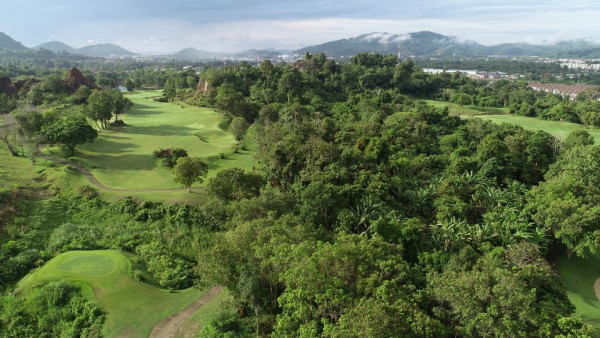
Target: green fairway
<point x="132" y="308"/>
<point x="579" y="276"/>
<point x="456" y="109"/>
<point x="500" y="115"/>
<point x="121" y="157"/>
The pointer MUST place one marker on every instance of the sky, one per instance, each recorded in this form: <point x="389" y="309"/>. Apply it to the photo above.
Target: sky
<point x="164" y="26"/>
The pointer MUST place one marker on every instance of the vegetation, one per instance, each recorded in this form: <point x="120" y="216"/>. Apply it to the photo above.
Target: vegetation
<point x="131" y="306"/>
<point x="366" y="212"/>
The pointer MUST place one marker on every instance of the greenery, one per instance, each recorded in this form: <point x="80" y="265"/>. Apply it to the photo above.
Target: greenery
<point x="130" y="306"/>
<point x="360" y="210"/>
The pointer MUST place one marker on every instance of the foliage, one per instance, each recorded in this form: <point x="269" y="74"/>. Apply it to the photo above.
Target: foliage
<point x="69" y="133"/>
<point x="235" y="184"/>
<point x="169" y="155"/>
<point x="188" y="170"/>
<point x="55" y="309"/>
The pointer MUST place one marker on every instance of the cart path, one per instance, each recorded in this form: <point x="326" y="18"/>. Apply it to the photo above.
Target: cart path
<point x="168" y="327"/>
<point x="94" y="181"/>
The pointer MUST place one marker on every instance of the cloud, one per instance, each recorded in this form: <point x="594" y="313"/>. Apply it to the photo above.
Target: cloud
<point x="233" y="25"/>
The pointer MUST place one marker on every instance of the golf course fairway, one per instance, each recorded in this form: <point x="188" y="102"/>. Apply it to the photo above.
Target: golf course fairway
<point x="132" y="308"/>
<point x="121" y="157"/>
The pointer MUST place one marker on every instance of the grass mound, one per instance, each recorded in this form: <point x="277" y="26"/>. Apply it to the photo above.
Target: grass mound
<point x="580" y="277"/>
<point x="132" y="307"/>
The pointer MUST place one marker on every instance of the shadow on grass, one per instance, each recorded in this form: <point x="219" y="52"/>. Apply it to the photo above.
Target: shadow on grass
<point x="103" y="145"/>
<point x="163" y="130"/>
<point x="223" y="125"/>
<point x="126" y="162"/>
<point x="115" y="137"/>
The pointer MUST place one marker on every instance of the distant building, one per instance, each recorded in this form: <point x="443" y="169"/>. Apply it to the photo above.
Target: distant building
<point x="565" y="90"/>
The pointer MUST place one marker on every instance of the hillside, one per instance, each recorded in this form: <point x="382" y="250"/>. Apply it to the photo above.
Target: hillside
<point x="57" y="47"/>
<point x="195" y="54"/>
<point x="6" y="42"/>
<point x="430" y="44"/>
<point x="104" y="50"/>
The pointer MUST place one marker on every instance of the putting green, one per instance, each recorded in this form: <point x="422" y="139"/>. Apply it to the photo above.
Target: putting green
<point x="91" y="264"/>
<point x="132" y="308"/>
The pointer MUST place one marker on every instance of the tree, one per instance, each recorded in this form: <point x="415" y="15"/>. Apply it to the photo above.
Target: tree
<point x="119" y="103"/>
<point x="129" y="84"/>
<point x="239" y="127"/>
<point x="69" y="134"/>
<point x="100" y="107"/>
<point x="9" y="134"/>
<point x="189" y="170"/>
<point x="235" y="184"/>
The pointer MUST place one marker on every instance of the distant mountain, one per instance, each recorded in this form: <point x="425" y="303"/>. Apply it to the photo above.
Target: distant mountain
<point x="196" y="54"/>
<point x="8" y="43"/>
<point x="256" y="53"/>
<point x="104" y="50"/>
<point x="429" y="44"/>
<point x="57" y="47"/>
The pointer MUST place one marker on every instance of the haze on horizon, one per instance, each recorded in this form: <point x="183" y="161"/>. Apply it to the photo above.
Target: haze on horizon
<point x="151" y="26"/>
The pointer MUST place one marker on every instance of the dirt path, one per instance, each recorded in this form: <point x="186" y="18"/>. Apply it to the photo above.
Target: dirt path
<point x="168" y="327"/>
<point x="597" y="288"/>
<point x="99" y="185"/>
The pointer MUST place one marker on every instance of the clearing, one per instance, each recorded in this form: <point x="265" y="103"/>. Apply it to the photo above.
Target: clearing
<point x="132" y="308"/>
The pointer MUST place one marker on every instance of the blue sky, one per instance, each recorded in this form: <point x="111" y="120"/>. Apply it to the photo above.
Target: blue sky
<point x="230" y="25"/>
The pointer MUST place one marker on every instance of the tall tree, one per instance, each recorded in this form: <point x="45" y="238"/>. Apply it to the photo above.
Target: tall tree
<point x="189" y="170"/>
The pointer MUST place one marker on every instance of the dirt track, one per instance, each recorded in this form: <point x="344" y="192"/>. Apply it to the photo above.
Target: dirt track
<point x="168" y="327"/>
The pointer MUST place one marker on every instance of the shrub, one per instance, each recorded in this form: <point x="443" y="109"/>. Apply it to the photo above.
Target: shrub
<point x="222" y="156"/>
<point x="169" y="156"/>
<point x="87" y="192"/>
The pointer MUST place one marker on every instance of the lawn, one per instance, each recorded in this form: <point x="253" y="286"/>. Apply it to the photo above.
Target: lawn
<point x="579" y="276"/>
<point x="500" y="115"/>
<point x="132" y="308"/>
<point x="121" y="157"/>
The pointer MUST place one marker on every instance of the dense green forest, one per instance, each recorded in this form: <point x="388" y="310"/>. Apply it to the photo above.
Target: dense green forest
<point x="369" y="213"/>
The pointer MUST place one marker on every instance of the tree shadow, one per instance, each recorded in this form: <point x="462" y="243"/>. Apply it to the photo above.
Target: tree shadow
<point x="103" y="145"/>
<point x="202" y="138"/>
<point x="115" y="137"/>
<point x="126" y="161"/>
<point x="162" y="130"/>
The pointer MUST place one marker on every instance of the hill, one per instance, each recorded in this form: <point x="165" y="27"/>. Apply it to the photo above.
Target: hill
<point x="104" y="50"/>
<point x="57" y="47"/>
<point x="196" y="54"/>
<point x="6" y="42"/>
<point x="430" y="44"/>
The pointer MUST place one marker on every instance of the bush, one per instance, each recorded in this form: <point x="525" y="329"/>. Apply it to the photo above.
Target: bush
<point x="138" y="275"/>
<point x="222" y="156"/>
<point x="169" y="156"/>
<point x="87" y="192"/>
<point x="118" y="123"/>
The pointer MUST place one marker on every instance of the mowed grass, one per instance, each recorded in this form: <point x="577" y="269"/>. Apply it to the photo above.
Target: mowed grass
<point x="456" y="109"/>
<point x="121" y="157"/>
<point x="132" y="308"/>
<point x="579" y="276"/>
<point x="555" y="128"/>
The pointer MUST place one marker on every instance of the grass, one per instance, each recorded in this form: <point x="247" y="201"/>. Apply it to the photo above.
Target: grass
<point x="132" y="308"/>
<point x="121" y="157"/>
<point x="204" y="315"/>
<point x="456" y="109"/>
<point x="500" y="115"/>
<point x="579" y="276"/>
